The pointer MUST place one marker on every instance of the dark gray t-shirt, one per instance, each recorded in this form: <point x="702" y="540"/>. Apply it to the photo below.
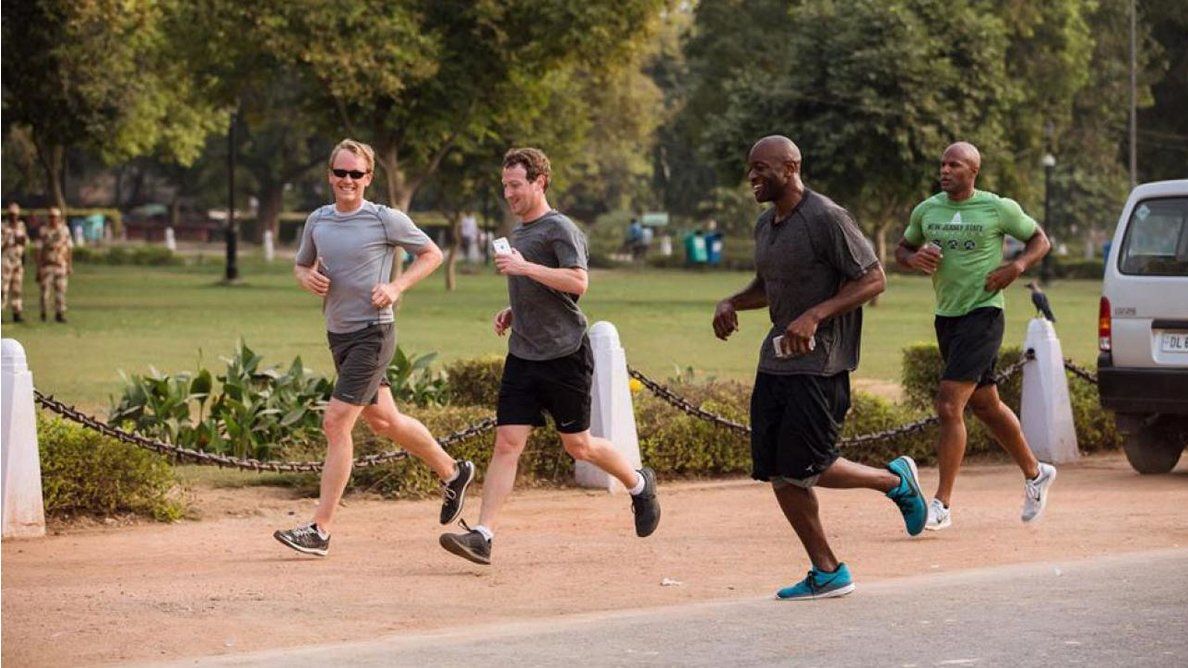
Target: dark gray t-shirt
<point x="802" y="261"/>
<point x="357" y="250"/>
<point x="546" y="323"/>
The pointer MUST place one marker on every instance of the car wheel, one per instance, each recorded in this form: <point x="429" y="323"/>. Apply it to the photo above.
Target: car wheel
<point x="1155" y="447"/>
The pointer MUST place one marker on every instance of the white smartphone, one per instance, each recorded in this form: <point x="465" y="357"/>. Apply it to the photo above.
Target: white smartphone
<point x="501" y="246"/>
<point x="777" y="344"/>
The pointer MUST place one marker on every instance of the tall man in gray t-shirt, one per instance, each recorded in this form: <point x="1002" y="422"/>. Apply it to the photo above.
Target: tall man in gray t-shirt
<point x="346" y="255"/>
<point x="549" y="365"/>
<point x="813" y="270"/>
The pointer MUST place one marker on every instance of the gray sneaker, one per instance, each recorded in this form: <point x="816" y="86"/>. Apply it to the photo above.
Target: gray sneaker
<point x="304" y="539"/>
<point x="453" y="494"/>
<point x="471" y="545"/>
<point x="645" y="506"/>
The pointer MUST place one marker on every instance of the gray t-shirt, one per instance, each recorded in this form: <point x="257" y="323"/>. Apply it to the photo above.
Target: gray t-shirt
<point x="546" y="323"/>
<point x="357" y="250"/>
<point x="802" y="261"/>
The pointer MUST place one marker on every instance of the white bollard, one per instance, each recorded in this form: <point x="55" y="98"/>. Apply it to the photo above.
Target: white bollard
<point x="170" y="240"/>
<point x="666" y="246"/>
<point x="23" y="509"/>
<point x="269" y="250"/>
<point x="612" y="415"/>
<point x="1046" y="412"/>
<point x="80" y="238"/>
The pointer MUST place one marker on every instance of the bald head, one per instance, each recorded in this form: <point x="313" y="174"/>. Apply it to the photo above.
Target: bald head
<point x="776" y="148"/>
<point x="965" y="152"/>
<point x="959" y="168"/>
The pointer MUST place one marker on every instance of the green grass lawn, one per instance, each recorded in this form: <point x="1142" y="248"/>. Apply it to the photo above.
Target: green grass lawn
<point x="131" y="318"/>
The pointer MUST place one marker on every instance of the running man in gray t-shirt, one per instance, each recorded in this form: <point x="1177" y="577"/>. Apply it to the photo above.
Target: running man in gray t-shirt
<point x="813" y="271"/>
<point x="549" y="365"/>
<point x="346" y="255"/>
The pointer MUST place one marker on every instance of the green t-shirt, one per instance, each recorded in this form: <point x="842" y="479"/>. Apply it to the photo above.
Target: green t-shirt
<point x="970" y="235"/>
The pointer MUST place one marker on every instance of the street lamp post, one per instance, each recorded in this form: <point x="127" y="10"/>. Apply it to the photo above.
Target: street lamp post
<point x="232" y="232"/>
<point x="1049" y="163"/>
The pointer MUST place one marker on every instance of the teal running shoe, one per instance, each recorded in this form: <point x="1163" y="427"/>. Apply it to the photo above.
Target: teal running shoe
<point x="819" y="584"/>
<point x="907" y="495"/>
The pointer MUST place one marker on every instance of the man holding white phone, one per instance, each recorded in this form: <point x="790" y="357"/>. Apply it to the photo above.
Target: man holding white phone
<point x="813" y="271"/>
<point x="549" y="366"/>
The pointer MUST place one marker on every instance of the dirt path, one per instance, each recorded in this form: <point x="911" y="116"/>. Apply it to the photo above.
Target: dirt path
<point x="223" y="585"/>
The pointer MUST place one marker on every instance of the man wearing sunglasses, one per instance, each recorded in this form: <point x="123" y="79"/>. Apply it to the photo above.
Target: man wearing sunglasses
<point x="346" y="255"/>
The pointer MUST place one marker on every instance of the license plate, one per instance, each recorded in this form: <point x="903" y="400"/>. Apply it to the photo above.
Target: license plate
<point x="1174" y="342"/>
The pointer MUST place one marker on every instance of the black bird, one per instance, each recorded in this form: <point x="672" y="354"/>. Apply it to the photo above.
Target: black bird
<point x="1041" y="301"/>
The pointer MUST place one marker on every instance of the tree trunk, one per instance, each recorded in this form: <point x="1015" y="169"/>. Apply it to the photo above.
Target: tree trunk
<point x="52" y="159"/>
<point x="399" y="193"/>
<point x="272" y="202"/>
<point x="451" y="261"/>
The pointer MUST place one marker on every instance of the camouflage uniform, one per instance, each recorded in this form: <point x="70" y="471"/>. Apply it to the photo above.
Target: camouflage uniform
<point x="53" y="266"/>
<point x="16" y="237"/>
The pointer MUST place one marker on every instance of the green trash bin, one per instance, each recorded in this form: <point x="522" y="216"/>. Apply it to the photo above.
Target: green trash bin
<point x="695" y="248"/>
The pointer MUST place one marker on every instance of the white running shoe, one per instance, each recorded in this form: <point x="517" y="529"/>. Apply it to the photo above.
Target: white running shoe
<point x="1035" y="492"/>
<point x="938" y="516"/>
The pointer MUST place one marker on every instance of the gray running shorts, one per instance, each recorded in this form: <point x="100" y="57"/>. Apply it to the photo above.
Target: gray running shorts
<point x="361" y="359"/>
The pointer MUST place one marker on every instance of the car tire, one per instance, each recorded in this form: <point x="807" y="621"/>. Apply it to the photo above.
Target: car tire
<point x="1155" y="447"/>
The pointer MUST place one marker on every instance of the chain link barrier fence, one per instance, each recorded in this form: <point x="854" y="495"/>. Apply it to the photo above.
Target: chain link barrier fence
<point x="482" y="426"/>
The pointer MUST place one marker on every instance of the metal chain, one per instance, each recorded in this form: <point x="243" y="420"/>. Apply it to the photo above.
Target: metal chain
<point x="220" y="460"/>
<point x="1080" y="371"/>
<point x="689" y="408"/>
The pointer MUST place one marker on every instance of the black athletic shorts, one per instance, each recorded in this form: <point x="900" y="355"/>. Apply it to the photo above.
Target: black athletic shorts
<point x="969" y="344"/>
<point x="560" y="386"/>
<point x="361" y="359"/>
<point x="795" y="422"/>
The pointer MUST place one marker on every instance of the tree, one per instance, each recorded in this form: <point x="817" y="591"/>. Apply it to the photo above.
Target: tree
<point x="467" y="69"/>
<point x="98" y="75"/>
<point x="872" y="92"/>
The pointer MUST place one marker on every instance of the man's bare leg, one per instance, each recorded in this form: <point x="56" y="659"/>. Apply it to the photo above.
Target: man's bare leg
<point x="845" y="474"/>
<point x="385" y="419"/>
<point x="601" y="453"/>
<point x="950" y="407"/>
<point x="803" y="513"/>
<point x="337" y="423"/>
<point x="1004" y="425"/>
<point x="501" y="472"/>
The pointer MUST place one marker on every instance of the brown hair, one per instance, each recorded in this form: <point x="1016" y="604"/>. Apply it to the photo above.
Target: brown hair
<point x="534" y="162"/>
<point x="358" y="148"/>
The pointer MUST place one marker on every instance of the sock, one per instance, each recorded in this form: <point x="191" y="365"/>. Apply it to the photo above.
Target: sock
<point x="457" y="472"/>
<point x="321" y="534"/>
<point x="640" y="483"/>
<point x="486" y="533"/>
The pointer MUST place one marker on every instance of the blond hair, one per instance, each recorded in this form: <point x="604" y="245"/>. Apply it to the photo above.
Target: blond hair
<point x="358" y="148"/>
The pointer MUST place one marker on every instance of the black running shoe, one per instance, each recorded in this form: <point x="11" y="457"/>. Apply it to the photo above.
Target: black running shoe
<point x="453" y="494"/>
<point x="470" y="545"/>
<point x="304" y="539"/>
<point x="645" y="506"/>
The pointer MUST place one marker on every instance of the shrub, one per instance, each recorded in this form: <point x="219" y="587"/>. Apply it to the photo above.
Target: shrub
<point x="84" y="472"/>
<point x="475" y="382"/>
<point x="127" y="255"/>
<point x="253" y="409"/>
<point x="414" y="381"/>
<point x="871" y="414"/>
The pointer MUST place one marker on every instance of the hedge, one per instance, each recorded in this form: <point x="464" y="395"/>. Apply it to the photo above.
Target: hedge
<point x="86" y="473"/>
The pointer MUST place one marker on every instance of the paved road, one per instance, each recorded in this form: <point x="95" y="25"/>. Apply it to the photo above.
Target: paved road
<point x="1120" y="610"/>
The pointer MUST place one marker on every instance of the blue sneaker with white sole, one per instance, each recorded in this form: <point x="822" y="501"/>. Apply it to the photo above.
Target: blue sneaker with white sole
<point x="907" y="494"/>
<point x="819" y="584"/>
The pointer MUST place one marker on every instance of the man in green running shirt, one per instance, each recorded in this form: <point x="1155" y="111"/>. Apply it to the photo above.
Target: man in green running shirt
<point x="956" y="237"/>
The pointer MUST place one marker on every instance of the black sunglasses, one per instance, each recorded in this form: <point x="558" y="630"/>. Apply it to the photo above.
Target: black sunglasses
<point x="354" y="174"/>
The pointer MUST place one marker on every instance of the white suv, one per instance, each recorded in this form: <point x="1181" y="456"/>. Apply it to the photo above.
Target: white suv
<point x="1142" y="368"/>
